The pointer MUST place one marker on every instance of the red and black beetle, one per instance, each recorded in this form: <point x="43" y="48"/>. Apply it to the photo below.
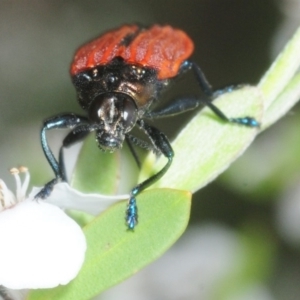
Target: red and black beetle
<point x="118" y="77"/>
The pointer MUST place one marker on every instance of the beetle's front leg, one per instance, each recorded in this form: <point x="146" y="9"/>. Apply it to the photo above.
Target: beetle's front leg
<point x="162" y="145"/>
<point x="58" y="122"/>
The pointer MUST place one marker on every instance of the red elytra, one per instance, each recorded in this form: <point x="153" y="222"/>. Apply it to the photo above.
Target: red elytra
<point x="163" y="48"/>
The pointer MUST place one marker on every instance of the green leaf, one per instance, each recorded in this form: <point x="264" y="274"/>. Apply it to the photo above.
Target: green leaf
<point x="114" y="253"/>
<point x="207" y="145"/>
<point x="282" y="71"/>
<point x="280" y="86"/>
<point x="283" y="103"/>
<point x="96" y="171"/>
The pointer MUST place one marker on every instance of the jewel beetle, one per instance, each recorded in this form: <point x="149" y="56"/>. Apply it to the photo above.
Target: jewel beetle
<point x="118" y="78"/>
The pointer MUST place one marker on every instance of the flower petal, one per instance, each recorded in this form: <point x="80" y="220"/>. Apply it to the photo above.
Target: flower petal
<point x="41" y="247"/>
<point x="7" y="198"/>
<point x="66" y="197"/>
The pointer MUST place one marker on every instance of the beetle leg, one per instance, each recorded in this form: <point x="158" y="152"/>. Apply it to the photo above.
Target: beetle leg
<point x="57" y="122"/>
<point x="133" y="152"/>
<point x="161" y="143"/>
<point x="184" y="104"/>
<point x="73" y="137"/>
<point x="207" y="89"/>
<point x="175" y="107"/>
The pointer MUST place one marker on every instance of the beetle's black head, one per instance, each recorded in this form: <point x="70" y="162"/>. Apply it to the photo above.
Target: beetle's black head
<point x="112" y="114"/>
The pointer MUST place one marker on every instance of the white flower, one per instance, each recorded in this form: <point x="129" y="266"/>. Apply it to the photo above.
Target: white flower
<point x="67" y="197"/>
<point x="41" y="247"/>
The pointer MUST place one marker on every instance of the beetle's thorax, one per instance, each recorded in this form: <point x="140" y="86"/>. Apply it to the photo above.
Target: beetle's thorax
<point x="138" y="82"/>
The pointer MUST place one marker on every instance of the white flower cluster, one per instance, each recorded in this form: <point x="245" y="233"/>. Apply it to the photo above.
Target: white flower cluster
<point x="41" y="247"/>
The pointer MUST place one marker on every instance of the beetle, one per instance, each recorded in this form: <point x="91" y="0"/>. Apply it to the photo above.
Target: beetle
<point x="118" y="77"/>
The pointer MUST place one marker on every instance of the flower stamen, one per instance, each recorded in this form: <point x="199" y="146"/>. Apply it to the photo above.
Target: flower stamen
<point x="26" y="181"/>
<point x="7" y="198"/>
<point x="15" y="172"/>
<point x="21" y="189"/>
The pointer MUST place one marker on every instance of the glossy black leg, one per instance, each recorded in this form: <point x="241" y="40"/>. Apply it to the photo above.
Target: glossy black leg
<point x="184" y="104"/>
<point x="57" y="122"/>
<point x="207" y="89"/>
<point x="161" y="143"/>
<point x="133" y="152"/>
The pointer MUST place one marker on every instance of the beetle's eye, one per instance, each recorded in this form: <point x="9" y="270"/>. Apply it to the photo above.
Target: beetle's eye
<point x="129" y="114"/>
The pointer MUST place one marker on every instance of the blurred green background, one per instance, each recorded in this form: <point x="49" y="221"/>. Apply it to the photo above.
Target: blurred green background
<point x="253" y="208"/>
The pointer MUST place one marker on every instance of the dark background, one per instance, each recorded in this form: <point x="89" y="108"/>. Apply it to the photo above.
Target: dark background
<point x="235" y="42"/>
